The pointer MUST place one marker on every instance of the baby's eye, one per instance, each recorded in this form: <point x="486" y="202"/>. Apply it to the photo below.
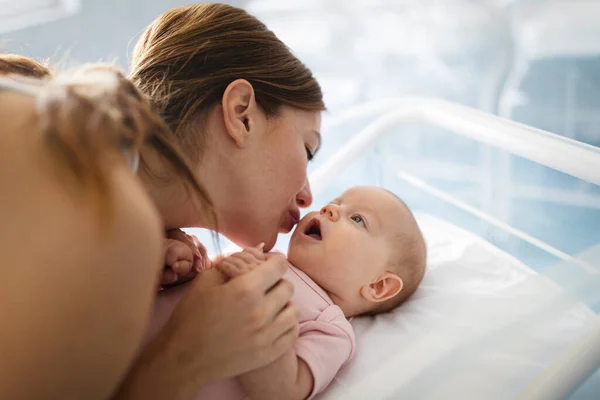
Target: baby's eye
<point x="358" y="219"/>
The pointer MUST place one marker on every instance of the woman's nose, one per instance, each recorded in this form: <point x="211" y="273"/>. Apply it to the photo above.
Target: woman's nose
<point x="332" y="212"/>
<point x="304" y="197"/>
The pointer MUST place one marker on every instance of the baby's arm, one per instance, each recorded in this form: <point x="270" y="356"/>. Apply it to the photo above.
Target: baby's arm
<point x="289" y="376"/>
<point x="286" y="378"/>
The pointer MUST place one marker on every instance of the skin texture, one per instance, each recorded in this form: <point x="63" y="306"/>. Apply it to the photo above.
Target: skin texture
<point x="251" y="160"/>
<point x="67" y="294"/>
<point x="254" y="168"/>
<point x="261" y="326"/>
<point x="351" y="261"/>
<point x="358" y="229"/>
<point x="94" y="258"/>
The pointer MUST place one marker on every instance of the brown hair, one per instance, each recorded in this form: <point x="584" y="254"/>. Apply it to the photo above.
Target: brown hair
<point x="188" y="56"/>
<point x="92" y="109"/>
<point x="19" y="65"/>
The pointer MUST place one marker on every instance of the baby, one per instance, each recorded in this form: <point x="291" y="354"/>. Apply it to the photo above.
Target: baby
<point x="362" y="254"/>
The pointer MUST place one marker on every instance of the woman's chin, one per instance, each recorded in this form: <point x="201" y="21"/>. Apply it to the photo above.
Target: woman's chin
<point x="269" y="243"/>
<point x="254" y="240"/>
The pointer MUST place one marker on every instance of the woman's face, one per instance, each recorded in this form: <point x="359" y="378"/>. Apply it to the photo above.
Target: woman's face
<point x="272" y="183"/>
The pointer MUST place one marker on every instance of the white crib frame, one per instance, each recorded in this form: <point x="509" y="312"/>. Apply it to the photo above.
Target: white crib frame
<point x="25" y="15"/>
<point x="566" y="155"/>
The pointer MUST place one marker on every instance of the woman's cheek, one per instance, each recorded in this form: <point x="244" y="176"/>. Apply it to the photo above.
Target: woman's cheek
<point x="301" y="167"/>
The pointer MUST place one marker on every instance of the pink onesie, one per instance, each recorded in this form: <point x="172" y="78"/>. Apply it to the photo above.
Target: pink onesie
<point x="326" y="340"/>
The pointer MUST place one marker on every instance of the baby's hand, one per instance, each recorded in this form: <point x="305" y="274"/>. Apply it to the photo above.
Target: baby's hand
<point x="239" y="263"/>
<point x="184" y="257"/>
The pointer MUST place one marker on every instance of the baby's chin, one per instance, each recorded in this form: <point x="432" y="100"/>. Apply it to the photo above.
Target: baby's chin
<point x="295" y="255"/>
<point x="291" y="250"/>
<point x="300" y="258"/>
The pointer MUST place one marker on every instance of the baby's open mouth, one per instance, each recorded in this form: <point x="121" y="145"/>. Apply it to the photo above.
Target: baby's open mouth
<point x="313" y="229"/>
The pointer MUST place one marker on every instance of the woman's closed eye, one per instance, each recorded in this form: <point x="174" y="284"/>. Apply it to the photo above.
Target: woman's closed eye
<point x="309" y="154"/>
<point x="359" y="220"/>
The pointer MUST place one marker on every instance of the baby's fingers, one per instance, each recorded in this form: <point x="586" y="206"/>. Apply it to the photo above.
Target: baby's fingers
<point x="232" y="267"/>
<point x="249" y="259"/>
<point x="255" y="252"/>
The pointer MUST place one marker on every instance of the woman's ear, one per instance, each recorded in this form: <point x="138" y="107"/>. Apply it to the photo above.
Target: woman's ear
<point x="386" y="286"/>
<point x="239" y="108"/>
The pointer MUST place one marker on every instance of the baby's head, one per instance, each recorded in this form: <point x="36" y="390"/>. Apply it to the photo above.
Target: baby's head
<point x="364" y="249"/>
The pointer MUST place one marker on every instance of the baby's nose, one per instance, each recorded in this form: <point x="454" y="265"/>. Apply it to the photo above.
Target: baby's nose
<point x="332" y="212"/>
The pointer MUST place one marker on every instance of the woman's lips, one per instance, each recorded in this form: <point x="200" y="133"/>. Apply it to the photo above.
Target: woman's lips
<point x="290" y="220"/>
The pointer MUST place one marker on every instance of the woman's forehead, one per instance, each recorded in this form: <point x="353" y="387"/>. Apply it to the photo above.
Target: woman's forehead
<point x="309" y="120"/>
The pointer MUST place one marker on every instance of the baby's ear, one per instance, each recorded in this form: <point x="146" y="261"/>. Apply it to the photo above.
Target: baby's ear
<point x="386" y="286"/>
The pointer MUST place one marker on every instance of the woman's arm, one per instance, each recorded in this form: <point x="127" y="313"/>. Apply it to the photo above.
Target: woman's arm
<point x="217" y="332"/>
<point x="72" y="318"/>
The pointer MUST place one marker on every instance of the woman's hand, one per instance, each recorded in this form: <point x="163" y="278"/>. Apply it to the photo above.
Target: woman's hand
<point x="218" y="332"/>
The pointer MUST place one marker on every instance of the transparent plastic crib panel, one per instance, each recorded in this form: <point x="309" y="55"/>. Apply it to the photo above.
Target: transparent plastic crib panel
<point x="437" y="171"/>
<point x="534" y="334"/>
<point x="499" y="344"/>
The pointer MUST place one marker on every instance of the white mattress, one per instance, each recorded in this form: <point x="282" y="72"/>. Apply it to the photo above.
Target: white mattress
<point x="481" y="326"/>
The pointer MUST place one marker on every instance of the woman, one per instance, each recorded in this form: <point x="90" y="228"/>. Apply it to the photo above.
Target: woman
<point x="246" y="113"/>
<point x="75" y="220"/>
<point x="74" y="217"/>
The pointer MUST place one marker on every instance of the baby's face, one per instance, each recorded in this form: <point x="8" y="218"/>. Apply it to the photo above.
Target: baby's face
<point x="347" y="244"/>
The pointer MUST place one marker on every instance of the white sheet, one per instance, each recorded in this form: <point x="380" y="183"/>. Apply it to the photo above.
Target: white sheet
<point x="481" y="326"/>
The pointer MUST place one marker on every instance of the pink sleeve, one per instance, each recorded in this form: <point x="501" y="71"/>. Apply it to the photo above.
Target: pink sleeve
<point x="325" y="344"/>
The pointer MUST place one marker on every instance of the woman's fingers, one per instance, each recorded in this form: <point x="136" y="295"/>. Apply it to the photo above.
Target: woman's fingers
<point x="278" y="298"/>
<point x="286" y="319"/>
<point x="228" y="329"/>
